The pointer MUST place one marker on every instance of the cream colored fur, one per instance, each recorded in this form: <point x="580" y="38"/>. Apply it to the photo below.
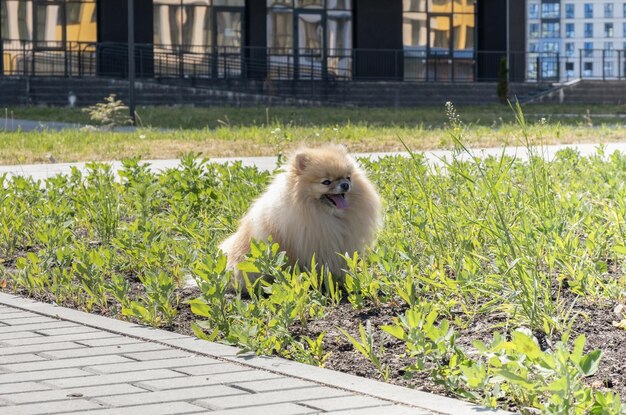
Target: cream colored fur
<point x="291" y="212"/>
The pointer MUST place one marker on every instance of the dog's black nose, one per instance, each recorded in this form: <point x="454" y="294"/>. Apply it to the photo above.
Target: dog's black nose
<point x="345" y="187"/>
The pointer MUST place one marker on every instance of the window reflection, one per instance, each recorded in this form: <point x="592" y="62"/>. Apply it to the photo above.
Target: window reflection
<point x="208" y="37"/>
<point x="438" y="37"/>
<point x="48" y="26"/>
<point x="309" y="39"/>
<point x="53" y="31"/>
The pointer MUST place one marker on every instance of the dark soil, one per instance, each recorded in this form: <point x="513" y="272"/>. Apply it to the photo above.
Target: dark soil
<point x="595" y="322"/>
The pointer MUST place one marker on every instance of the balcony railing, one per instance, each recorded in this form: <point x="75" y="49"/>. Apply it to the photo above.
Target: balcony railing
<point x="85" y="59"/>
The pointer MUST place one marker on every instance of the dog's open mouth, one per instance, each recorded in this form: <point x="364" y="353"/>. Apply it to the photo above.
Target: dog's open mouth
<point x="337" y="200"/>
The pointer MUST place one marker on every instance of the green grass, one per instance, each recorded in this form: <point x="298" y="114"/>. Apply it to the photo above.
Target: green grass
<point x="229" y="141"/>
<point x="228" y="131"/>
<point x="426" y="117"/>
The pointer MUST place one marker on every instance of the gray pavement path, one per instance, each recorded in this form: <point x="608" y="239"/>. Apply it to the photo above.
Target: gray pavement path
<point x="12" y="124"/>
<point x="58" y="360"/>
<point x="43" y="171"/>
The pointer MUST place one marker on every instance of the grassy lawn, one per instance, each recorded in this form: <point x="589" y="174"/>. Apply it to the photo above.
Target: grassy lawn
<point x="215" y="132"/>
<point x="427" y="117"/>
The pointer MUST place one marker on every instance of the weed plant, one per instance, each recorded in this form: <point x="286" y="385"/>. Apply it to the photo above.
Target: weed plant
<point x="519" y="240"/>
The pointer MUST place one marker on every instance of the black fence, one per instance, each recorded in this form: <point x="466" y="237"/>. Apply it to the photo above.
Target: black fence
<point x="84" y="59"/>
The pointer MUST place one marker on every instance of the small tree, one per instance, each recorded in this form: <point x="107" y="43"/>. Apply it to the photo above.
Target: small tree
<point x="503" y="81"/>
<point x="110" y="114"/>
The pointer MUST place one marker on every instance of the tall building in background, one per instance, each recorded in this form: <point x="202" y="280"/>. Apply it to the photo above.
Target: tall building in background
<point x="589" y="37"/>
<point x="411" y="40"/>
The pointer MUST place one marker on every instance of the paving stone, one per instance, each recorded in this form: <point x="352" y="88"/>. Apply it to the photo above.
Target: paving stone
<point x="170" y="395"/>
<point x="20" y="319"/>
<point x="166" y="408"/>
<point x="64" y="394"/>
<point x="74" y="329"/>
<point x="25" y="320"/>
<point x="41" y="375"/>
<point x="6" y="338"/>
<point x="386" y="410"/>
<point x="219" y="367"/>
<point x="37" y="348"/>
<point x="279" y="409"/>
<point x="256" y="399"/>
<point x="54" y="339"/>
<point x="61" y="363"/>
<point x="112" y="340"/>
<point x="53" y="407"/>
<point x="160" y="354"/>
<point x="104" y="350"/>
<point x="216" y="379"/>
<point x="153" y="364"/>
<point x="10" y="310"/>
<point x="346" y="402"/>
<point x="40" y="327"/>
<point x="269" y="385"/>
<point x="19" y="358"/>
<point x="127" y="377"/>
<point x="22" y="387"/>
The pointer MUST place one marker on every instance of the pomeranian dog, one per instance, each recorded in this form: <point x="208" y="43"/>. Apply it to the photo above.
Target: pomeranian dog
<point x="322" y="205"/>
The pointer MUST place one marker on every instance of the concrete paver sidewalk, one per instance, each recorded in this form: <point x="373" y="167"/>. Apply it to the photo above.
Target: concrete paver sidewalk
<point x="58" y="360"/>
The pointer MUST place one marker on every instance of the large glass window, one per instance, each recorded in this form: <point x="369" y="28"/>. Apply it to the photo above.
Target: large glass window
<point x="439" y="38"/>
<point x="550" y="29"/>
<point x="198" y="37"/>
<point x="588" y="10"/>
<point x="550" y="10"/>
<point x="58" y="34"/>
<point x="309" y="39"/>
<point x="569" y="11"/>
<point x="533" y="30"/>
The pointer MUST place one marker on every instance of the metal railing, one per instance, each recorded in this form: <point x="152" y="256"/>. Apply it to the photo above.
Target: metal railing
<point x="85" y="59"/>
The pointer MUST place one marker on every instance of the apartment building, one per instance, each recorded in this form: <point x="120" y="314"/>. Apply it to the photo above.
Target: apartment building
<point x="571" y="39"/>
<point x="413" y="40"/>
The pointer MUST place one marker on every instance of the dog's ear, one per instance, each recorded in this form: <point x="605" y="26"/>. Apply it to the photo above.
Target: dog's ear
<point x="301" y="161"/>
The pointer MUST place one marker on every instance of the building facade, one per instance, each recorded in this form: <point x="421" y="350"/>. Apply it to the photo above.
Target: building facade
<point x="411" y="40"/>
<point x="589" y="37"/>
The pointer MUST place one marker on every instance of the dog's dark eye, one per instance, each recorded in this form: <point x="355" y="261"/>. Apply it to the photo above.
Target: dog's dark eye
<point x="348" y="178"/>
<point x="326" y="182"/>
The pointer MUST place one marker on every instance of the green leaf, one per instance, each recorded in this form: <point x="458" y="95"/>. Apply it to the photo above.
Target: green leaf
<point x="577" y="350"/>
<point x="396" y="331"/>
<point x="590" y="362"/>
<point x="197" y="330"/>
<point x="514" y="378"/>
<point x="200" y="308"/>
<point x="354" y="341"/>
<point x="247" y="266"/>
<point x="526" y="345"/>
<point x="620" y="249"/>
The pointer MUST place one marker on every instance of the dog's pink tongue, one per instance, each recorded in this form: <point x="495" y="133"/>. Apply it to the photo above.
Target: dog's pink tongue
<point x="340" y="201"/>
